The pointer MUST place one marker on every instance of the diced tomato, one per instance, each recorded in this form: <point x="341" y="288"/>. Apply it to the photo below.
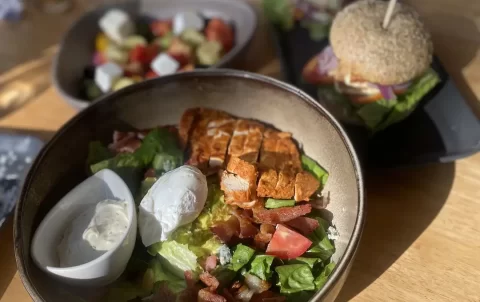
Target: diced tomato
<point x="181" y="52"/>
<point x="287" y="244"/>
<point x="138" y="54"/>
<point x="152" y="51"/>
<point x="144" y="54"/>
<point x="218" y="30"/>
<point x="312" y="75"/>
<point x="133" y="68"/>
<point x="161" y="27"/>
<point x="151" y="74"/>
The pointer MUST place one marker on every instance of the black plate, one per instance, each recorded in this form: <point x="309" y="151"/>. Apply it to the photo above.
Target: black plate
<point x="443" y="128"/>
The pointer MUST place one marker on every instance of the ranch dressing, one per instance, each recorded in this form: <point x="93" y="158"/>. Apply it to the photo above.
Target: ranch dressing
<point x="94" y="232"/>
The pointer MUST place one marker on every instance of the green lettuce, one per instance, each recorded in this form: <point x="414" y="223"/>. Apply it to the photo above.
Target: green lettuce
<point x="224" y="274"/>
<point x="407" y="102"/>
<point x="159" y="140"/>
<point x="97" y="152"/>
<point x="315" y="169"/>
<point x="311" y="262"/>
<point x="179" y="258"/>
<point x="323" y="277"/>
<point x="161" y="274"/>
<point x="241" y="256"/>
<point x="280" y="13"/>
<point x="272" y="203"/>
<point x="374" y="113"/>
<point x="260" y="266"/>
<point x="294" y="278"/>
<point x="321" y="247"/>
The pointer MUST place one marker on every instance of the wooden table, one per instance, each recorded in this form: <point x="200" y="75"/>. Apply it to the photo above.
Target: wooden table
<point x="422" y="236"/>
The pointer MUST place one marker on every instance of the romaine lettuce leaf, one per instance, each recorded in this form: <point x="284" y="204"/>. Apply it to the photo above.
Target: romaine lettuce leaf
<point x="178" y="256"/>
<point x="294" y="278"/>
<point x="321" y="279"/>
<point x="311" y="262"/>
<point x="164" y="162"/>
<point x="374" y="113"/>
<point x="314" y="168"/>
<point x="241" y="256"/>
<point x="260" y="266"/>
<point x="409" y="101"/>
<point x="159" y="140"/>
<point x="321" y="247"/>
<point x="161" y="274"/>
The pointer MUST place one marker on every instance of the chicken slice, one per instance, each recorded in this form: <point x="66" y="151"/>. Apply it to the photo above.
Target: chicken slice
<point x="238" y="139"/>
<point x="287" y="154"/>
<point x="220" y="132"/>
<point x="185" y="126"/>
<point x="268" y="149"/>
<point x="305" y="185"/>
<point x="253" y="142"/>
<point x="238" y="183"/>
<point x="285" y="187"/>
<point x="267" y="183"/>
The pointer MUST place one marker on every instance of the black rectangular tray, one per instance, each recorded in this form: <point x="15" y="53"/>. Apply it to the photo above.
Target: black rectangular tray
<point x="443" y="128"/>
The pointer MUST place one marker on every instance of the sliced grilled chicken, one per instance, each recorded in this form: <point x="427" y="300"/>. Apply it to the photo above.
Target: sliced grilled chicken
<point x="253" y="142"/>
<point x="268" y="149"/>
<point x="238" y="183"/>
<point x="185" y="126"/>
<point x="220" y="133"/>
<point x="305" y="185"/>
<point x="267" y="183"/>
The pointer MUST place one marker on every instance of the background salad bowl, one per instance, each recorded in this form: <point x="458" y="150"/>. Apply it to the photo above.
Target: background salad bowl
<point x="161" y="101"/>
<point x="78" y="45"/>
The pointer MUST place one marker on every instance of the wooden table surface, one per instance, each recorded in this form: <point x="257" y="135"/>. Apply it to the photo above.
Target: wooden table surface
<point x="422" y="236"/>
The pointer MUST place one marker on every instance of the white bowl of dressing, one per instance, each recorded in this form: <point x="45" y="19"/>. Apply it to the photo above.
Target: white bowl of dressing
<point x="88" y="237"/>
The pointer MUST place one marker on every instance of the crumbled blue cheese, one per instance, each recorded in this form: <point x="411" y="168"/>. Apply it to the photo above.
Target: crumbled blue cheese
<point x="332" y="233"/>
<point x="224" y="255"/>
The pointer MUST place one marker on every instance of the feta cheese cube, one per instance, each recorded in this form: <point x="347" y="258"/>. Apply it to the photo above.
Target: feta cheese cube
<point x="183" y="21"/>
<point x="117" y="25"/>
<point x="164" y="64"/>
<point x="106" y="75"/>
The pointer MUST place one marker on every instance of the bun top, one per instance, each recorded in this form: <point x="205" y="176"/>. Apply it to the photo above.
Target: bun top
<point x="386" y="56"/>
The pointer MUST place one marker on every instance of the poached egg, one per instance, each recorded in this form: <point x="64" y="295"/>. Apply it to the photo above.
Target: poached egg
<point x="175" y="199"/>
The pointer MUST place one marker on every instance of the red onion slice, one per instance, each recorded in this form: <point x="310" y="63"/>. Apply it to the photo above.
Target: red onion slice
<point x="402" y="87"/>
<point x="327" y="60"/>
<point x="387" y="92"/>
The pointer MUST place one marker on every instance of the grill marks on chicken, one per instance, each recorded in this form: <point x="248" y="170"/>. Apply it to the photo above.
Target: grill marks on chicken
<point x="250" y="153"/>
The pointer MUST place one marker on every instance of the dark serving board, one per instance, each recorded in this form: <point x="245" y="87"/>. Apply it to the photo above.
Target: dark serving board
<point x="443" y="128"/>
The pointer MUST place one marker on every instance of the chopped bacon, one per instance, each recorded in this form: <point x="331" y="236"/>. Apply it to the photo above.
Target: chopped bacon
<point x="226" y="230"/>
<point x="247" y="229"/>
<point x="303" y="224"/>
<point x="275" y="216"/>
<point x="228" y="295"/>
<point x="209" y="281"/>
<point x="266" y="228"/>
<point x="149" y="173"/>
<point x="211" y="263"/>
<point x="124" y="142"/>
<point x="268" y="296"/>
<point x="261" y="240"/>
<point x="189" y="279"/>
<point x="204" y="295"/>
<point x="164" y="294"/>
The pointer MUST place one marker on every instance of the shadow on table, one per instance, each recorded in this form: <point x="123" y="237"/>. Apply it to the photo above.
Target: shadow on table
<point x="394" y="222"/>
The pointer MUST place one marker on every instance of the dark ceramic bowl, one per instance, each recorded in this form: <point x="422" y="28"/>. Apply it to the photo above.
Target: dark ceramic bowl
<point x="161" y="101"/>
<point x="77" y="47"/>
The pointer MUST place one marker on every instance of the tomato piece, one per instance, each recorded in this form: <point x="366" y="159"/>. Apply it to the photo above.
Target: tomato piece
<point x="218" y="30"/>
<point x="138" y="54"/>
<point x="152" y="51"/>
<point x="287" y="244"/>
<point x="161" y="27"/>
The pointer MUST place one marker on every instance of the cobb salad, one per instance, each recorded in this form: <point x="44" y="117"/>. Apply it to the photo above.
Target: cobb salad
<point x="128" y="51"/>
<point x="228" y="210"/>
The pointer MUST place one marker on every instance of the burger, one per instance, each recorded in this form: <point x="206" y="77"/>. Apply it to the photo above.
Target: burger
<point x="371" y="75"/>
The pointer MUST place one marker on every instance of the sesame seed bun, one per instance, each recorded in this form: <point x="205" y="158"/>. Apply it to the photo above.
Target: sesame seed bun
<point x="397" y="54"/>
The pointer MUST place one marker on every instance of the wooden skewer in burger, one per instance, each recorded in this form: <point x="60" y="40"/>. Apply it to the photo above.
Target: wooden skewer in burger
<point x="377" y="66"/>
